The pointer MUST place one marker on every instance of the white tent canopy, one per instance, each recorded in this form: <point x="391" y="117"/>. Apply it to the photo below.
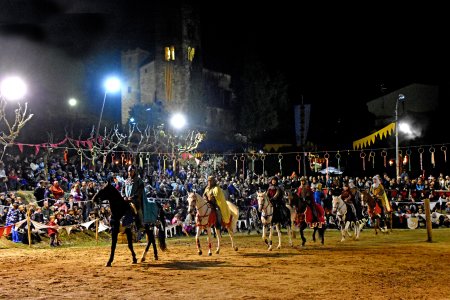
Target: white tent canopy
<point x="331" y="170"/>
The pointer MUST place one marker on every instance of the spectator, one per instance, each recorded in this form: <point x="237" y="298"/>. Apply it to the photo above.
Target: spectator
<point x="53" y="232"/>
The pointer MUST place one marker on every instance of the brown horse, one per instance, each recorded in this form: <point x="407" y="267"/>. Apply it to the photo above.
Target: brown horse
<point x="374" y="211"/>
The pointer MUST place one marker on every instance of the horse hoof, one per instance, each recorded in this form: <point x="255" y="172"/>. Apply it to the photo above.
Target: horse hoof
<point x="156" y="257"/>
<point x="235" y="248"/>
<point x="217" y="251"/>
<point x="134" y="261"/>
<point x="279" y="247"/>
<point x="108" y="264"/>
<point x="209" y="254"/>
<point x="142" y="260"/>
<point x="200" y="252"/>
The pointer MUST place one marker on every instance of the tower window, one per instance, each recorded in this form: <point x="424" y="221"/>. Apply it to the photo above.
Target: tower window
<point x="129" y="90"/>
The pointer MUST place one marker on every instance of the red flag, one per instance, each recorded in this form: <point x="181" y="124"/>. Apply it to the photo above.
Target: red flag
<point x="36" y="149"/>
<point x="20" y="147"/>
<point x="7" y="230"/>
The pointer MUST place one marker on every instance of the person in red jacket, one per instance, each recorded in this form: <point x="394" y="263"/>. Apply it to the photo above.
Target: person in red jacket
<point x="56" y="190"/>
<point x="52" y="232"/>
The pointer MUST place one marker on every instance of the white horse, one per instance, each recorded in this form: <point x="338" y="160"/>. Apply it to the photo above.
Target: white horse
<point x="266" y="209"/>
<point x="203" y="221"/>
<point x="345" y="218"/>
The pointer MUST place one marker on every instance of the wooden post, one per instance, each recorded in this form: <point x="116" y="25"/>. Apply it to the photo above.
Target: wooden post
<point x="96" y="231"/>
<point x="29" y="226"/>
<point x="426" y="203"/>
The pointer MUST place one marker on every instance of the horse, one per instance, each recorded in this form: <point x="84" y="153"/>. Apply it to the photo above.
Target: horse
<point x="345" y="218"/>
<point x="122" y="214"/>
<point x="253" y="219"/>
<point x="374" y="211"/>
<point x="298" y="207"/>
<point x="266" y="208"/>
<point x="204" y="219"/>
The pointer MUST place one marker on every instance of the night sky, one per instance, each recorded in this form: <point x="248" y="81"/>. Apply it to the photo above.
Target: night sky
<point x="342" y="55"/>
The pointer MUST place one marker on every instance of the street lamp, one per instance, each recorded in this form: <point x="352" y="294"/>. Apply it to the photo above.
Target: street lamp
<point x="12" y="88"/>
<point x="112" y="85"/>
<point x="401" y="97"/>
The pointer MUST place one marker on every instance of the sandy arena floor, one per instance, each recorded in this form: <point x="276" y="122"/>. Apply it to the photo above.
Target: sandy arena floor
<point x="400" y="265"/>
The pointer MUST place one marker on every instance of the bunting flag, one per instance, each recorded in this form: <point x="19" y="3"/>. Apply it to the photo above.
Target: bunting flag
<point x="5" y="230"/>
<point x="102" y="227"/>
<point x="275" y="147"/>
<point x="368" y="140"/>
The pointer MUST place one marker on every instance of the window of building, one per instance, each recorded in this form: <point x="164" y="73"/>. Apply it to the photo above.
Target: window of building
<point x="129" y="90"/>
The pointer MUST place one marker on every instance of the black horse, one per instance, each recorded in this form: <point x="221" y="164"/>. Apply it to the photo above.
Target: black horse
<point x="122" y="214"/>
<point x="300" y="205"/>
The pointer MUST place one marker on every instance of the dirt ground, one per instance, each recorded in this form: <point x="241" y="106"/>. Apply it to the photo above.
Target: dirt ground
<point x="400" y="265"/>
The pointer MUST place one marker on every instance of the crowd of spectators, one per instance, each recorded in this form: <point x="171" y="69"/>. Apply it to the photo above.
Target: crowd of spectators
<point x="65" y="189"/>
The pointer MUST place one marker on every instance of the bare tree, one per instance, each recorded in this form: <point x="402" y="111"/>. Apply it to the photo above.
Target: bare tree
<point x="10" y="131"/>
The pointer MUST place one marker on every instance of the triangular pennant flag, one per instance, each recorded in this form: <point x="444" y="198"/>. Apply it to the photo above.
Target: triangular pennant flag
<point x="102" y="227"/>
<point x="36" y="149"/>
<point x="20" y="147"/>
<point x="68" y="229"/>
<point x="89" y="143"/>
<point x="87" y="224"/>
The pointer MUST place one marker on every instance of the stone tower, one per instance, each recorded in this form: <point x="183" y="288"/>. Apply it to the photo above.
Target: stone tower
<point x="171" y="72"/>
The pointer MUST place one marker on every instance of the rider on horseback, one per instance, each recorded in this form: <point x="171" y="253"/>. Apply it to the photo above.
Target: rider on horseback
<point x="348" y="197"/>
<point x="276" y="199"/>
<point x="215" y="196"/>
<point x="377" y="190"/>
<point x="135" y="193"/>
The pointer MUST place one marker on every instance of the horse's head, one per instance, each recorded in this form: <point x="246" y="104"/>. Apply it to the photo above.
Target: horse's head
<point x="261" y="196"/>
<point x="104" y="193"/>
<point x="192" y="201"/>
<point x="336" y="203"/>
<point x="365" y="196"/>
<point x="292" y="197"/>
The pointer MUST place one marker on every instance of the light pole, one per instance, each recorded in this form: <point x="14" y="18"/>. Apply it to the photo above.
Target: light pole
<point x="178" y="122"/>
<point x="112" y="85"/>
<point x="401" y="97"/>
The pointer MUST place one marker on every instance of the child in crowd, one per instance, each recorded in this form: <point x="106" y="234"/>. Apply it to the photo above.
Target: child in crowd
<point x="52" y="232"/>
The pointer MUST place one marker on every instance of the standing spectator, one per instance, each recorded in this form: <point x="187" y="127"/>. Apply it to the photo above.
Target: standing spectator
<point x="39" y="193"/>
<point x="52" y="231"/>
<point x="3" y="178"/>
<point x="56" y="190"/>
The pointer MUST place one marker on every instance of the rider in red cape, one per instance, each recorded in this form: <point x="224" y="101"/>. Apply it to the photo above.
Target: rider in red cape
<point x="314" y="214"/>
<point x="378" y="192"/>
<point x="215" y="196"/>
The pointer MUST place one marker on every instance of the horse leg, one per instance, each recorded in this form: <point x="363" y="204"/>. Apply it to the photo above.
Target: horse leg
<point x="231" y="233"/>
<point x="130" y="244"/>
<point x="314" y="234"/>
<point x="144" y="254"/>
<point x="277" y="227"/>
<point x="322" y="234"/>
<point x="150" y="233"/>
<point x="197" y="240"/>
<point x="302" y="234"/>
<point x="343" y="225"/>
<point x="219" y="236"/>
<point x="114" y="235"/>
<point x="264" y="234"/>
<point x="289" y="231"/>
<point x="270" y="237"/>
<point x="208" y="232"/>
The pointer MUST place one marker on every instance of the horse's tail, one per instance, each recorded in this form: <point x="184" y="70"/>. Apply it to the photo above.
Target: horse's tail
<point x="162" y="238"/>
<point x="161" y="229"/>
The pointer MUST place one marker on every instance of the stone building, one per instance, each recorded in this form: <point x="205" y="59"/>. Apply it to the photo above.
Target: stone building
<point x="172" y="74"/>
